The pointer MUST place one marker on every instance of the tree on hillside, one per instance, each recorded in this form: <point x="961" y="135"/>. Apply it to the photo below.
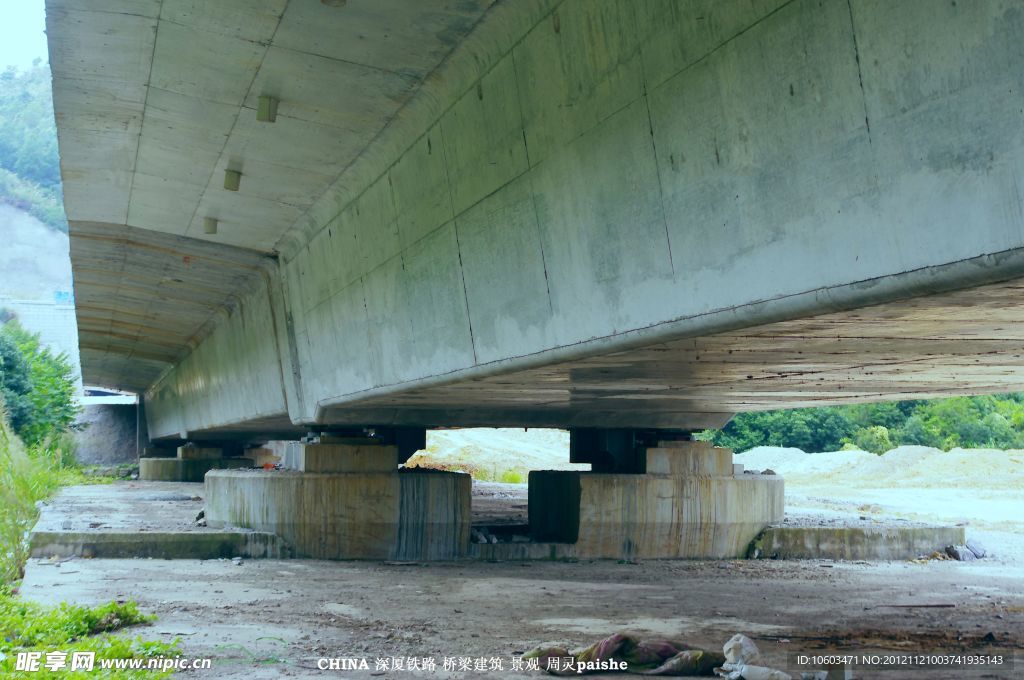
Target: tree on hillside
<point x="28" y="134"/>
<point x="38" y="386"/>
<point x="29" y="163"/>
<point x="990" y="421"/>
<point x="15" y="383"/>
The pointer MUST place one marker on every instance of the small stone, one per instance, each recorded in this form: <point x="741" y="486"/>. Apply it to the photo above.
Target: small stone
<point x="768" y="471"/>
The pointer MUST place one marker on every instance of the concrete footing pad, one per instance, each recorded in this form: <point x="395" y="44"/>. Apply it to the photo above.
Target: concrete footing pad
<point x="398" y="515"/>
<point x="185" y="469"/>
<point x="854" y="543"/>
<point x="695" y="508"/>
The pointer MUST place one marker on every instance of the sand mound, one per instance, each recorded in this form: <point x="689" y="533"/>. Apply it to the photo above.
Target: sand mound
<point x="491" y="454"/>
<point x="497" y="454"/>
<point x="906" y="466"/>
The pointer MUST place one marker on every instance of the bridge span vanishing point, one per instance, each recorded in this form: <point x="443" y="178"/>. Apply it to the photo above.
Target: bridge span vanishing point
<point x="352" y="221"/>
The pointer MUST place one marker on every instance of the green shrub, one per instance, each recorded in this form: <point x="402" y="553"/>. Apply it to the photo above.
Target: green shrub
<point x="42" y="385"/>
<point x="511" y="477"/>
<point x="874" y="439"/>
<point x="15" y="381"/>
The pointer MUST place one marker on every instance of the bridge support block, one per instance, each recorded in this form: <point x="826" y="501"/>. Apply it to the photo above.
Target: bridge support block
<point x="190" y="465"/>
<point x="351" y="503"/>
<point x="688" y="504"/>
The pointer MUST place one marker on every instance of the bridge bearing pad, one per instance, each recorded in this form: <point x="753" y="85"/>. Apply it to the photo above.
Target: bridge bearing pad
<point x="692" y="508"/>
<point x="396" y="515"/>
<point x="185" y="469"/>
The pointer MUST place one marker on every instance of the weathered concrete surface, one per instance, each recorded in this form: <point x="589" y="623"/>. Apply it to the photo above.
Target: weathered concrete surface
<point x="182" y="470"/>
<point x="140" y="520"/>
<point x="578" y="212"/>
<point x="408" y="515"/>
<point x="193" y="452"/>
<point x="689" y="458"/>
<point x="652" y="516"/>
<point x="158" y="545"/>
<point x="691" y="507"/>
<point x="854" y="543"/>
<point x="361" y="457"/>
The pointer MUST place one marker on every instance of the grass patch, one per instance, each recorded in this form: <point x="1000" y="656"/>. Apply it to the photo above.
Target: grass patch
<point x="24" y="480"/>
<point x="27" y="477"/>
<point x="26" y="626"/>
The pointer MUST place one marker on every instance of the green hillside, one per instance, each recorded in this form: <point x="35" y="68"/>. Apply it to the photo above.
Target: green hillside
<point x="29" y="164"/>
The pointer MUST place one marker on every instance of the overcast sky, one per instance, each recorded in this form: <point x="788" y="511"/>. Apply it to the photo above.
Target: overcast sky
<point x="22" y="33"/>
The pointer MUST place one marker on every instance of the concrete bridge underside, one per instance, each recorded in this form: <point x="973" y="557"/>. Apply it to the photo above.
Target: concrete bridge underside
<point x="578" y="213"/>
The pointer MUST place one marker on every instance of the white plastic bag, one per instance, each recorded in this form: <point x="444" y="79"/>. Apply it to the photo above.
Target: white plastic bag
<point x="741" y="650"/>
<point x="739" y="671"/>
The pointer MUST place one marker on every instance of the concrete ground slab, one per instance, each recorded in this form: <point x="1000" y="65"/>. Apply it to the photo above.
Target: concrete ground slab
<point x="140" y="519"/>
<point x="854" y="542"/>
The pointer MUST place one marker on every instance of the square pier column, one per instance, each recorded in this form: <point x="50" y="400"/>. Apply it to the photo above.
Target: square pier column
<point x="688" y="504"/>
<point x="348" y="501"/>
<point x="190" y="465"/>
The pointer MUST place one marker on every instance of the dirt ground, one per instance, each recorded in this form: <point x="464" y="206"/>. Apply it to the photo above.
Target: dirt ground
<point x="277" y="618"/>
<point x="269" y="618"/>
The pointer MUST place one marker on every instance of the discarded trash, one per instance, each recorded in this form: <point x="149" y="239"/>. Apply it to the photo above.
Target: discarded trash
<point x="960" y="552"/>
<point x="741" y="650"/>
<point x="690" y="662"/>
<point x="742" y="657"/>
<point x="626" y="652"/>
<point x="645" y="657"/>
<point x="973" y="550"/>
<point x="482" y="536"/>
<point x="733" y="671"/>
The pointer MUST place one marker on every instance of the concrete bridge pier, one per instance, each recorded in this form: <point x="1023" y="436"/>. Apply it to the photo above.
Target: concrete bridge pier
<point x="667" y="498"/>
<point x="348" y="500"/>
<point x="192" y="462"/>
